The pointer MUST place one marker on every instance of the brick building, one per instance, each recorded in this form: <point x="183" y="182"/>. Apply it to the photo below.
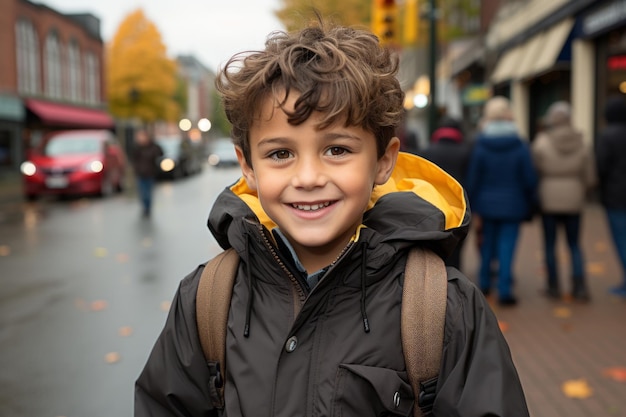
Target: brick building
<point x="51" y="76"/>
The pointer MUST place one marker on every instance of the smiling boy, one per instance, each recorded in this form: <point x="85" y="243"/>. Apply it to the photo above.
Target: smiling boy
<point x="322" y="220"/>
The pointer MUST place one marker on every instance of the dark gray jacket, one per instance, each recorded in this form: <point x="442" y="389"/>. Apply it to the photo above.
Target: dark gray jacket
<point x="611" y="155"/>
<point x="307" y="353"/>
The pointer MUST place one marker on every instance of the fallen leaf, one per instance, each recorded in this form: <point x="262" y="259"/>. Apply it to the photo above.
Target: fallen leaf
<point x="98" y="305"/>
<point x="125" y="331"/>
<point x="601" y="246"/>
<point x="504" y="326"/>
<point x="5" y="250"/>
<point x="112" y="357"/>
<point x="100" y="252"/>
<point x="577" y="388"/>
<point x="165" y="305"/>
<point x="616" y="373"/>
<point x="595" y="268"/>
<point x="562" y="312"/>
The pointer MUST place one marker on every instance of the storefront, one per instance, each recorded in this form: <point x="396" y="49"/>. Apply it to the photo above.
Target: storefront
<point x="43" y="117"/>
<point x="605" y="25"/>
<point x="11" y="119"/>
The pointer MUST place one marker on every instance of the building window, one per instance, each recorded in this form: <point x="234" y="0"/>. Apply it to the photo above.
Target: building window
<point x="54" y="80"/>
<point x="74" y="71"/>
<point x="27" y="57"/>
<point x="92" y="78"/>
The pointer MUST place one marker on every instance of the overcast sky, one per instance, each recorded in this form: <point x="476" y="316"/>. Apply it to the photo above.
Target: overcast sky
<point x="211" y="30"/>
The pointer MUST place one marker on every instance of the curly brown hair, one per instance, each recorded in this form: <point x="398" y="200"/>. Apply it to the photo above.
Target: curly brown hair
<point x="343" y="73"/>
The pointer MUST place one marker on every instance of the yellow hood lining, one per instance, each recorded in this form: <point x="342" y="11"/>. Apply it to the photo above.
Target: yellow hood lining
<point x="411" y="174"/>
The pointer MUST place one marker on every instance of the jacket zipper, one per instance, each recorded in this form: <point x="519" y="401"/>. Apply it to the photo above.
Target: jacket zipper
<point x="298" y="295"/>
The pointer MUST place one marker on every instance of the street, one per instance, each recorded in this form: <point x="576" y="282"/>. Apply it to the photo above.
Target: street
<point x="85" y="291"/>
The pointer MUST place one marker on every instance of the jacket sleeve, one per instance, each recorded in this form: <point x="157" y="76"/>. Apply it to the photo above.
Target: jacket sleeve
<point x="477" y="376"/>
<point x="174" y="381"/>
<point x="603" y="154"/>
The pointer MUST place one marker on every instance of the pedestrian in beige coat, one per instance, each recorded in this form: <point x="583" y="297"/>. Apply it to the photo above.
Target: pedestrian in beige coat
<point x="566" y="171"/>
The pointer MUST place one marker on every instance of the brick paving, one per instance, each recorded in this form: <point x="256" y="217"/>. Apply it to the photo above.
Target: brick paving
<point x="564" y="343"/>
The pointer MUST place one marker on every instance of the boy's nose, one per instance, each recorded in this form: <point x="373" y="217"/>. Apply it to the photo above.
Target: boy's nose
<point x="309" y="173"/>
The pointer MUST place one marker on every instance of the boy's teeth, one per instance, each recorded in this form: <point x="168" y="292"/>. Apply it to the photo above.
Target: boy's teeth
<point x="311" y="207"/>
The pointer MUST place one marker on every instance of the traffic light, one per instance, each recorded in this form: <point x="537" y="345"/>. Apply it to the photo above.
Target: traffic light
<point x="385" y="21"/>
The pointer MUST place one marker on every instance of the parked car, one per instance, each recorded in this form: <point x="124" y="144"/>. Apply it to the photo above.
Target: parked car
<point x="181" y="157"/>
<point x="222" y="153"/>
<point x="77" y="162"/>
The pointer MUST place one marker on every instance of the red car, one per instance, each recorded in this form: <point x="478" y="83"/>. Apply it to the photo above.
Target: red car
<point x="77" y="162"/>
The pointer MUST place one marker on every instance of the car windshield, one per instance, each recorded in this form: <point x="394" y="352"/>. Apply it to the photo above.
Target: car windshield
<point x="223" y="146"/>
<point x="171" y="147"/>
<point x="71" y="146"/>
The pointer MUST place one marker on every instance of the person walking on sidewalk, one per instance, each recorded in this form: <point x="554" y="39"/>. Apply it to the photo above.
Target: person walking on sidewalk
<point x="145" y="160"/>
<point x="611" y="165"/>
<point x="449" y="150"/>
<point x="501" y="185"/>
<point x="566" y="172"/>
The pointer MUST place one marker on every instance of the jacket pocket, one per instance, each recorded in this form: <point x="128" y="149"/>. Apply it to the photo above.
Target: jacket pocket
<point x="371" y="391"/>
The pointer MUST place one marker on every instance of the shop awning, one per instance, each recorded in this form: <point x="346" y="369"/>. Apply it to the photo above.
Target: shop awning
<point x="506" y="68"/>
<point x="535" y="56"/>
<point x="552" y="43"/>
<point x="62" y="115"/>
<point x="473" y="52"/>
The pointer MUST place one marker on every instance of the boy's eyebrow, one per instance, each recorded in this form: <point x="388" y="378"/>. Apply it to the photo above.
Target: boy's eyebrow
<point x="327" y="136"/>
<point x="273" y="141"/>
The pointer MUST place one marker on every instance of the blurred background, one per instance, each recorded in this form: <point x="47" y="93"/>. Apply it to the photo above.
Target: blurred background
<point x="85" y="283"/>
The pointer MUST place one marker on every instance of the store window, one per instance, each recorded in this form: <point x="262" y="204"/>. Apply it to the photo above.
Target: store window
<point x="27" y="48"/>
<point x="54" y="83"/>
<point x="74" y="71"/>
<point x="6" y="152"/>
<point x="611" y="68"/>
<point x="92" y="78"/>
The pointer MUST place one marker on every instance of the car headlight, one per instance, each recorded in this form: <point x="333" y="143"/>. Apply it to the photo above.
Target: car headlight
<point x="28" y="168"/>
<point x="167" y="164"/>
<point x="94" y="166"/>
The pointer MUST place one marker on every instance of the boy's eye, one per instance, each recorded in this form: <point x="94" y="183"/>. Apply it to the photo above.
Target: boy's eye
<point x="336" y="151"/>
<point x="280" y="154"/>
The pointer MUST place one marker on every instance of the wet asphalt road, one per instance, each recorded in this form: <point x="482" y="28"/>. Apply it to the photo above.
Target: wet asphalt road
<point x="84" y="289"/>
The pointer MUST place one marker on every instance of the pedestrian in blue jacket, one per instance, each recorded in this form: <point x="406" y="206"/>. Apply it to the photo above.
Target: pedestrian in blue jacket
<point x="501" y="184"/>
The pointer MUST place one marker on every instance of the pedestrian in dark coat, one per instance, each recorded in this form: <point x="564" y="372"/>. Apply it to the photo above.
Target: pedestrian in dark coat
<point x="566" y="169"/>
<point x="323" y="220"/>
<point x="449" y="149"/>
<point x="145" y="160"/>
<point x="501" y="186"/>
<point x="611" y="165"/>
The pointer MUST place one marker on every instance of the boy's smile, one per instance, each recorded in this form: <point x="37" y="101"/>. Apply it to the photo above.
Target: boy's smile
<point x="314" y="184"/>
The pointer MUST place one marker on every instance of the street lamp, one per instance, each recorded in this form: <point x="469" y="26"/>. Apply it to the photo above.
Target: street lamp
<point x="204" y="124"/>
<point x="184" y="125"/>
<point x="432" y="113"/>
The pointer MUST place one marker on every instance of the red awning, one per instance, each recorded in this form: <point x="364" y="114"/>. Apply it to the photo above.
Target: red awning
<point x="55" y="114"/>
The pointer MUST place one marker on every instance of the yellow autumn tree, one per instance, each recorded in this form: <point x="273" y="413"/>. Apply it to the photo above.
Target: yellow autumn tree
<point x="295" y="14"/>
<point x="412" y="21"/>
<point x="141" y="79"/>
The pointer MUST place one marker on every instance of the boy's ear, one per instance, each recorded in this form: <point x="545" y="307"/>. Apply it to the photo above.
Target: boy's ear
<point x="388" y="161"/>
<point x="246" y="170"/>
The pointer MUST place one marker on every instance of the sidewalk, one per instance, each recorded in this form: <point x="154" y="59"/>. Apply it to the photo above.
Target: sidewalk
<point x="11" y="198"/>
<point x="571" y="357"/>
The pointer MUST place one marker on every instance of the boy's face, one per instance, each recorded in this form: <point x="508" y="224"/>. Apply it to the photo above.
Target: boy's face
<point x="314" y="184"/>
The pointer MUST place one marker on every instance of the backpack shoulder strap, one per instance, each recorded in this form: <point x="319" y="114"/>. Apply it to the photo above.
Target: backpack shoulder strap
<point x="424" y="299"/>
<point x="215" y="290"/>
